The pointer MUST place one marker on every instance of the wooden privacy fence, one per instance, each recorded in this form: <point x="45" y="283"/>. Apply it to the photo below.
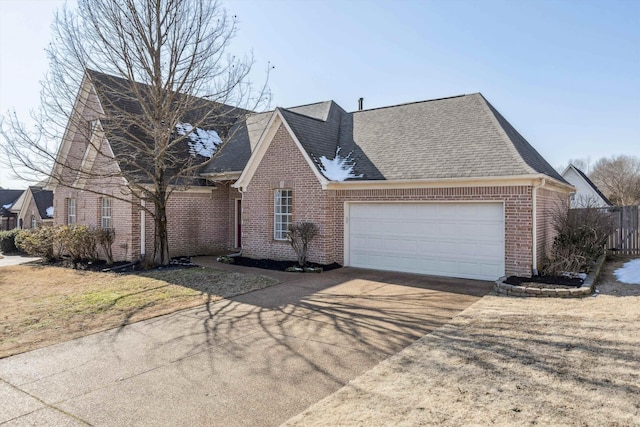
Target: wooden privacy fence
<point x="626" y="238"/>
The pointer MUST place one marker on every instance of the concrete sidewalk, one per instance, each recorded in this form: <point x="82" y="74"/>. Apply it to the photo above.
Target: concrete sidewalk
<point x="9" y="260"/>
<point x="257" y="359"/>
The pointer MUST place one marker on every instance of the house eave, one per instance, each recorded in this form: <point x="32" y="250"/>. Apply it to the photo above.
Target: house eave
<point x="489" y="181"/>
<point x="222" y="176"/>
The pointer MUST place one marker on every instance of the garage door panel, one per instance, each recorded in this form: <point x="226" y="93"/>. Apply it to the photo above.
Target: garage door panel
<point x="450" y="239"/>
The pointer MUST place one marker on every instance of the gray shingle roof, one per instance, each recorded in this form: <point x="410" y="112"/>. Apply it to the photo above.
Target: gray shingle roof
<point x="8" y="197"/>
<point x="458" y="137"/>
<point x="125" y="134"/>
<point x="43" y="200"/>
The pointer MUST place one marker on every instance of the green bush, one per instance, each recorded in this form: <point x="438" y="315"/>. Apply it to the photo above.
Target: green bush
<point x="38" y="242"/>
<point x="104" y="238"/>
<point x="8" y="242"/>
<point x="78" y="242"/>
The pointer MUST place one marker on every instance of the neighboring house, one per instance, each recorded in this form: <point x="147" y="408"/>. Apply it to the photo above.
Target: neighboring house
<point x="34" y="208"/>
<point x="445" y="187"/>
<point x="8" y="219"/>
<point x="587" y="193"/>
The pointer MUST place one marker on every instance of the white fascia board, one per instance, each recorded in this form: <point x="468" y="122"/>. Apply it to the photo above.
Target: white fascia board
<point x="502" y="181"/>
<point x="263" y="145"/>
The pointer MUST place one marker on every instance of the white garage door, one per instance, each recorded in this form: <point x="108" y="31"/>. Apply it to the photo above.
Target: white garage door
<point x="445" y="239"/>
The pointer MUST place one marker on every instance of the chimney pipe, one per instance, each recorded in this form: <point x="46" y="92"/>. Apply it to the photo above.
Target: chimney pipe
<point x="360" y="102"/>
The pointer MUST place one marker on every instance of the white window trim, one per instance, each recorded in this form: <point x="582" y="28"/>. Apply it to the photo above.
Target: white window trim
<point x="105" y="213"/>
<point x="34" y="223"/>
<point x="280" y="232"/>
<point x="71" y="211"/>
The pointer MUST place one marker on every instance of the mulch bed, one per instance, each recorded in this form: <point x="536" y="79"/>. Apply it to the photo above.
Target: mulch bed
<point x="117" y="267"/>
<point x="551" y="281"/>
<point x="270" y="264"/>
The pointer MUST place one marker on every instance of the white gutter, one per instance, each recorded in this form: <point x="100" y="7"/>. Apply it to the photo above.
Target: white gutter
<point x="534" y="228"/>
<point x="143" y="230"/>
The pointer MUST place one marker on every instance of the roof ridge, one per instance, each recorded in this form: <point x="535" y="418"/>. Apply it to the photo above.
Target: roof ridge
<point x="486" y="105"/>
<point x="311" y="103"/>
<point x="301" y="115"/>
<point x="410" y="103"/>
<point x="588" y="180"/>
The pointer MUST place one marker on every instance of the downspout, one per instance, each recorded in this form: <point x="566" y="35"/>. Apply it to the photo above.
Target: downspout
<point x="534" y="228"/>
<point x="237" y="254"/>
<point x="143" y="230"/>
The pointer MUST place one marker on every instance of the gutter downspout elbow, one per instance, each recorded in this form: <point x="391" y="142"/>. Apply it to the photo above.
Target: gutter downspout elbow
<point x="534" y="227"/>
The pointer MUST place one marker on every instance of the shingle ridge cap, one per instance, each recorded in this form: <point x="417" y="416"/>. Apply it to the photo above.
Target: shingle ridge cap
<point x="411" y="103"/>
<point x="301" y="115"/>
<point x="312" y="103"/>
<point x="486" y="105"/>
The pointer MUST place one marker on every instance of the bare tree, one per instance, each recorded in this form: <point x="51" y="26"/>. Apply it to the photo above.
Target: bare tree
<point x="164" y="79"/>
<point x="619" y="178"/>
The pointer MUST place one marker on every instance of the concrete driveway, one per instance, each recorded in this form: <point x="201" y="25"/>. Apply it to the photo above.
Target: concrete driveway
<point x="257" y="359"/>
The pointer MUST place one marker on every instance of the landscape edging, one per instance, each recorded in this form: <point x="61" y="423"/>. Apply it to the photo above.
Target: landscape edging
<point x="584" y="290"/>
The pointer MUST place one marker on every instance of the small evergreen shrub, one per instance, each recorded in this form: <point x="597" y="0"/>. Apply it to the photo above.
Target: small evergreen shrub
<point x="38" y="242"/>
<point x="8" y="242"/>
<point x="104" y="238"/>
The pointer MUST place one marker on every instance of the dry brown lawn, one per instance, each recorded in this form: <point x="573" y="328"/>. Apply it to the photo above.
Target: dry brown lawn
<point x="40" y="306"/>
<point x="508" y="361"/>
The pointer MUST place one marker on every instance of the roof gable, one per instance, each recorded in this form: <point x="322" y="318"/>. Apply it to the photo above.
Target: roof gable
<point x="122" y="119"/>
<point x="578" y="174"/>
<point x="277" y="119"/>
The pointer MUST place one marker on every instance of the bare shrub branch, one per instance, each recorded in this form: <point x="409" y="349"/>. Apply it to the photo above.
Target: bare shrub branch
<point x="300" y="236"/>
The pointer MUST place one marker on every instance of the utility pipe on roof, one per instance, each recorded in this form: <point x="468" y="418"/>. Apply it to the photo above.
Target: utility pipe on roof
<point x="534" y="227"/>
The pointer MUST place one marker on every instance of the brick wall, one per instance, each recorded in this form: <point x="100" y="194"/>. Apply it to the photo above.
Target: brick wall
<point x="27" y="211"/>
<point x="517" y="206"/>
<point x="283" y="166"/>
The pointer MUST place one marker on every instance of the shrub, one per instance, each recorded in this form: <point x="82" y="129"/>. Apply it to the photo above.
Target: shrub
<point x="78" y="242"/>
<point x="300" y="235"/>
<point x="105" y="237"/>
<point x="38" y="242"/>
<point x="8" y="242"/>
<point x="580" y="240"/>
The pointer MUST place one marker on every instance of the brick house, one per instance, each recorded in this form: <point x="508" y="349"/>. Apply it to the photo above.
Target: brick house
<point x="89" y="185"/>
<point x="445" y="187"/>
<point x="34" y="208"/>
<point x="8" y="219"/>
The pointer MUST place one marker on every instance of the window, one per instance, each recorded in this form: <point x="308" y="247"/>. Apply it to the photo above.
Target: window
<point x="282" y="207"/>
<point x="92" y="125"/>
<point x="71" y="211"/>
<point x="34" y="224"/>
<point x="105" y="213"/>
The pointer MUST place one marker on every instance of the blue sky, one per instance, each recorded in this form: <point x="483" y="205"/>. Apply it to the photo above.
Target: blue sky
<point x="565" y="73"/>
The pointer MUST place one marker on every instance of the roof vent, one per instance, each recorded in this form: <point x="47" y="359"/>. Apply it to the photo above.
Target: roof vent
<point x="360" y="102"/>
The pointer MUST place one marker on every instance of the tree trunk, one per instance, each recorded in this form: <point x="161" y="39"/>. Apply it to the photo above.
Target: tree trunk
<point x="161" y="242"/>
